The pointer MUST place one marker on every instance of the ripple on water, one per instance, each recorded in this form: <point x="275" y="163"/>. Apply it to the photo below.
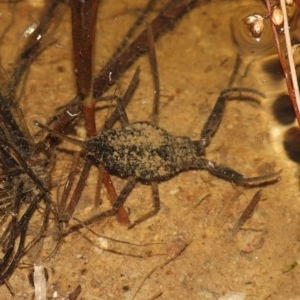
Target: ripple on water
<point x="247" y="44"/>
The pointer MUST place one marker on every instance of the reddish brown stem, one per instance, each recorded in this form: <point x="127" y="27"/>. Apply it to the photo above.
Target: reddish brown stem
<point x="285" y="68"/>
<point x="84" y="16"/>
<point x="122" y="215"/>
<point x="89" y="114"/>
<point x="83" y="32"/>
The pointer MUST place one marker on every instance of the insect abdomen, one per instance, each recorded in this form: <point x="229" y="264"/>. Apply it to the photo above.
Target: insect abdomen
<point x="140" y="150"/>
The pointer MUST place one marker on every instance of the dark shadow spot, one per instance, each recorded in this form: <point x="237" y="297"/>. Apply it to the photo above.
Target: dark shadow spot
<point x="61" y="69"/>
<point x="273" y="67"/>
<point x="126" y="288"/>
<point x="283" y="110"/>
<point x="292" y="144"/>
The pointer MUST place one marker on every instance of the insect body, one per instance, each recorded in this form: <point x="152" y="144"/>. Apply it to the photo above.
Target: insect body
<point x="143" y="150"/>
<point x="150" y="153"/>
<point x="146" y="152"/>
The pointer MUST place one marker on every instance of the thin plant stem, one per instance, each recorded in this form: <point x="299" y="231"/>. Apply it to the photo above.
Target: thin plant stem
<point x="296" y="99"/>
<point x="283" y="63"/>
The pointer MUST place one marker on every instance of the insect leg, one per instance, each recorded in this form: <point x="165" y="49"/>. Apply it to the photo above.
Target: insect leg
<point x="120" y="200"/>
<point x="156" y="209"/>
<point x="230" y="174"/>
<point x="122" y="112"/>
<point x="112" y="119"/>
<point x="215" y="117"/>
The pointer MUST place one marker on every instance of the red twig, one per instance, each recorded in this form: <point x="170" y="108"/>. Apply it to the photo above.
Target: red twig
<point x="285" y="67"/>
<point x="84" y="16"/>
<point x="121" y="213"/>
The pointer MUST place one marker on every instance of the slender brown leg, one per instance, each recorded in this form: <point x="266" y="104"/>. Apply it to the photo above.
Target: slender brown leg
<point x="126" y="98"/>
<point x="156" y="209"/>
<point x="117" y="204"/>
<point x="230" y="174"/>
<point x="215" y="117"/>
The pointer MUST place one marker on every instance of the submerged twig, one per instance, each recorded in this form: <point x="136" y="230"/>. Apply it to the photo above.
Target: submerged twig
<point x="75" y="293"/>
<point x="247" y="212"/>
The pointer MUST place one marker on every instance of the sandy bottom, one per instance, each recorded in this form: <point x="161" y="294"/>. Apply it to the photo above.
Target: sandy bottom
<point x="187" y="250"/>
